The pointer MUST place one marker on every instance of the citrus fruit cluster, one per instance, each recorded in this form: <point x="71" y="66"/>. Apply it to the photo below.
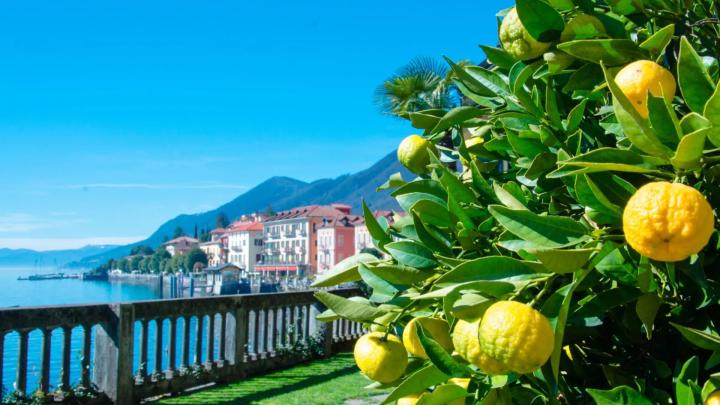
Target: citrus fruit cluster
<point x="558" y="242"/>
<point x="511" y="337"/>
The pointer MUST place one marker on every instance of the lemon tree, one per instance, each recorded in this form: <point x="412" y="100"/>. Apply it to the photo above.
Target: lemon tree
<point x="562" y="224"/>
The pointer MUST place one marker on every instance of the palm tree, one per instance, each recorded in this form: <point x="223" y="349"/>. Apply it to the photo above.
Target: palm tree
<point x="422" y="84"/>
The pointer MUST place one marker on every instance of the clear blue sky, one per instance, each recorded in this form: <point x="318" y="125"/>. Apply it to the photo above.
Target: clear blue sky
<point x="116" y="116"/>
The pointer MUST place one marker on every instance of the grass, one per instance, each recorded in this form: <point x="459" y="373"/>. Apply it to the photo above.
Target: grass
<point x="322" y="382"/>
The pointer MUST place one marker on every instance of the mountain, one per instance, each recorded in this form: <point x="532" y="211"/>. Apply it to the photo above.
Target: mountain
<point x="281" y="193"/>
<point x="49" y="258"/>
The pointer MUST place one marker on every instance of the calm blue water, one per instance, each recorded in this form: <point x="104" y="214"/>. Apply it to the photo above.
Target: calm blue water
<point x="56" y="292"/>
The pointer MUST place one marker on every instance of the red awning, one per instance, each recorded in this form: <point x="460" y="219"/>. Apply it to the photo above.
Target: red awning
<point x="276" y="268"/>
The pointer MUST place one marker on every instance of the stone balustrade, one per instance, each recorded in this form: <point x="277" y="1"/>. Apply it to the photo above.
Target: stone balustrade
<point x="229" y="337"/>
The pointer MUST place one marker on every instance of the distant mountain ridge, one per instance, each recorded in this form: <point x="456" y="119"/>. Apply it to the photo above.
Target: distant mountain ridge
<point x="49" y="258"/>
<point x="281" y="193"/>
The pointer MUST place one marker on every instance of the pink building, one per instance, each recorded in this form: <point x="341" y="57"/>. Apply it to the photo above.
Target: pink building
<point x="336" y="240"/>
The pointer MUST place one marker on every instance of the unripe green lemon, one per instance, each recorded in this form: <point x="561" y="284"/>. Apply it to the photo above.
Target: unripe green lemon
<point x="517" y="41"/>
<point x="582" y="26"/>
<point x="413" y="153"/>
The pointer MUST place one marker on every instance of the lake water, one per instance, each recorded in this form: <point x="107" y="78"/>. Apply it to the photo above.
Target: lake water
<point x="56" y="292"/>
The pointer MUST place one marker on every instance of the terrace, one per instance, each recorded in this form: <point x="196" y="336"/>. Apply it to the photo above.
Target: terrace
<point x="138" y="350"/>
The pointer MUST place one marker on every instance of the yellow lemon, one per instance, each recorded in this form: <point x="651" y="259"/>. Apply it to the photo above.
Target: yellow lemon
<point x="667" y="221"/>
<point x="380" y="359"/>
<point x="640" y="77"/>
<point x="517" y="41"/>
<point x="463" y="382"/>
<point x="713" y="399"/>
<point x="466" y="340"/>
<point x="437" y="329"/>
<point x="411" y="399"/>
<point x="475" y="140"/>
<point x="413" y="153"/>
<point x="517" y="336"/>
<point x="582" y="26"/>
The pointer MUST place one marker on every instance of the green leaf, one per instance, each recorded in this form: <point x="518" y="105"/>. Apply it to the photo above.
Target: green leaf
<point x="690" y="150"/>
<point x="611" y="52"/>
<point x="382" y="291"/>
<point x="433" y="213"/>
<point x="455" y="188"/>
<point x="428" y="239"/>
<point x="684" y="392"/>
<point x="439" y="357"/>
<point x="600" y="304"/>
<point x="498" y="57"/>
<point x="411" y="254"/>
<point x="543" y="231"/>
<point x="398" y="274"/>
<point x="500" y="268"/>
<point x="456" y="116"/>
<point x="575" y="117"/>
<point x="646" y="308"/>
<point x="657" y="42"/>
<point x="636" y="128"/>
<point x="540" y="19"/>
<point x="394" y="181"/>
<point x="663" y="121"/>
<point x="348" y="309"/>
<point x="344" y="272"/>
<point x="563" y="261"/>
<point x="619" y="395"/>
<point x="492" y="288"/>
<point x="692" y="122"/>
<point x="585" y="78"/>
<point x="380" y="237"/>
<point x="472" y="84"/>
<point x="524" y="145"/>
<point x="424" y="120"/>
<point x="442" y="395"/>
<point x="711" y="111"/>
<point x="699" y="338"/>
<point x="607" y="159"/>
<point x="540" y="165"/>
<point x="418" y="381"/>
<point x="507" y="198"/>
<point x="489" y="79"/>
<point x="695" y="83"/>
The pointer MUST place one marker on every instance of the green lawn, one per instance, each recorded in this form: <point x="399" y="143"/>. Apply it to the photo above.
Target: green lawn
<point x="322" y="382"/>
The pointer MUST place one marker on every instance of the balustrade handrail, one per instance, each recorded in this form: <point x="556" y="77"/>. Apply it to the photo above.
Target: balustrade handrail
<point x="242" y="335"/>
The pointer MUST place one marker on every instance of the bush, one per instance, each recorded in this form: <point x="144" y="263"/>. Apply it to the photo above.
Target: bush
<point x="535" y="215"/>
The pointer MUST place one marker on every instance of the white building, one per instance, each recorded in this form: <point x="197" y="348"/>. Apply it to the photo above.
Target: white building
<point x="291" y="239"/>
<point x="245" y="244"/>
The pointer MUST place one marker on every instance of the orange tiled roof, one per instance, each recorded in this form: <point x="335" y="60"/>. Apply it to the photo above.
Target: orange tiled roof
<point x="309" y="211"/>
<point x="245" y="226"/>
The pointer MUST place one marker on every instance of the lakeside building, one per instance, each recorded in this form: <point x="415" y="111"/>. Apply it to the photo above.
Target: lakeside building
<point x="216" y="248"/>
<point x="336" y="237"/>
<point x="180" y="245"/>
<point x="245" y="243"/>
<point x="363" y="239"/>
<point x="291" y="239"/>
